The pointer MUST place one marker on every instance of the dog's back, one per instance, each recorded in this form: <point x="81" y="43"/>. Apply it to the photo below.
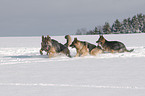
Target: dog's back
<point x="89" y="45"/>
<point x="60" y="47"/>
<point x="115" y="45"/>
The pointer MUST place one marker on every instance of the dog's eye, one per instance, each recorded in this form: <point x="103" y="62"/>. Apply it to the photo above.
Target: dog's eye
<point x="100" y="42"/>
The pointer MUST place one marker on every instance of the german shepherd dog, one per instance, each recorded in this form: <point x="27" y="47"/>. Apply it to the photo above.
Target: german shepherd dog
<point x="84" y="48"/>
<point x="69" y="40"/>
<point x="53" y="47"/>
<point x="112" y="46"/>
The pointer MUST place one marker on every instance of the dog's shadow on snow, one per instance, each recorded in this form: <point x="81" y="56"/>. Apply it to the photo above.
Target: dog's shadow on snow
<point x="28" y="56"/>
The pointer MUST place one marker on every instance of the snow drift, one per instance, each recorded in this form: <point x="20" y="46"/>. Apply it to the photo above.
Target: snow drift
<point x="24" y="72"/>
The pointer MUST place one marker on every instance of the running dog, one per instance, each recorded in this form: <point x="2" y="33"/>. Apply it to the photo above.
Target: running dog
<point x="112" y="46"/>
<point x="53" y="47"/>
<point x="84" y="48"/>
<point x="69" y="40"/>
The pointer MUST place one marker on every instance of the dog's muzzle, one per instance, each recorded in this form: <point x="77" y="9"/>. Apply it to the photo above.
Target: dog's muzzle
<point x="48" y="47"/>
<point x="72" y="45"/>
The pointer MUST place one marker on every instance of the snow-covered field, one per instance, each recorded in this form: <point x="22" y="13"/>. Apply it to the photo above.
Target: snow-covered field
<point x="24" y="72"/>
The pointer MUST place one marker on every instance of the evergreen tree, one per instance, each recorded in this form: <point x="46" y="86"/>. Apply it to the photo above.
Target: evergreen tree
<point x="106" y="28"/>
<point x="143" y="30"/>
<point x="135" y="24"/>
<point x="113" y="28"/>
<point x="140" y="20"/>
<point x="124" y="26"/>
<point x="129" y="25"/>
<point x="78" y="32"/>
<point x="90" y="32"/>
<point x="100" y="28"/>
<point x="96" y="30"/>
<point x="117" y="26"/>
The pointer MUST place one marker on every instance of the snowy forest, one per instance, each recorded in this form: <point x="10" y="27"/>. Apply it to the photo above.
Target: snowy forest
<point x="136" y="24"/>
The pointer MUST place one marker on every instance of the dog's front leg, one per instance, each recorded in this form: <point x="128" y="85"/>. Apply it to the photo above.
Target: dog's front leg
<point x="112" y="51"/>
<point x="51" y="55"/>
<point x="84" y="54"/>
<point x="47" y="52"/>
<point x="41" y="52"/>
<point x="78" y="53"/>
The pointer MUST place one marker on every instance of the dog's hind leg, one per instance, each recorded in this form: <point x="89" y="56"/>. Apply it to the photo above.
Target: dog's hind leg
<point x="84" y="54"/>
<point x="66" y="52"/>
<point x="96" y="51"/>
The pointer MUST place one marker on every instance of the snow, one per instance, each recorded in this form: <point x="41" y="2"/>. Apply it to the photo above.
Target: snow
<point x="24" y="72"/>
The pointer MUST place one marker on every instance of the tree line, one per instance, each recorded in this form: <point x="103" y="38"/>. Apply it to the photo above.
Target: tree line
<point x="136" y="24"/>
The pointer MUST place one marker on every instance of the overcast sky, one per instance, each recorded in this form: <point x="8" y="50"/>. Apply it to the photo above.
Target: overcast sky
<point x="61" y="17"/>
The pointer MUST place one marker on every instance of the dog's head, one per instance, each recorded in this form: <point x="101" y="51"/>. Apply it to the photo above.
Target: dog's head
<point x="43" y="43"/>
<point x="46" y="42"/>
<point x="75" y="43"/>
<point x="101" y="40"/>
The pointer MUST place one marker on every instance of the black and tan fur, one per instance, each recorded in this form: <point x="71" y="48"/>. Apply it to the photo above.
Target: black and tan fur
<point x="43" y="45"/>
<point x="112" y="46"/>
<point x="69" y="40"/>
<point x="84" y="48"/>
<point x="53" y="47"/>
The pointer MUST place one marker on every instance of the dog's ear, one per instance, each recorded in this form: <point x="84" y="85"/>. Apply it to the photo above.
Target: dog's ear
<point x="48" y="37"/>
<point x="100" y="38"/>
<point x="42" y="37"/>
<point x="86" y="44"/>
<point x="75" y="39"/>
<point x="101" y="35"/>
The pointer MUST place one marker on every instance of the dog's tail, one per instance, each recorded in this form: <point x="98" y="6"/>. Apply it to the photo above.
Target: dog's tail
<point x="129" y="50"/>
